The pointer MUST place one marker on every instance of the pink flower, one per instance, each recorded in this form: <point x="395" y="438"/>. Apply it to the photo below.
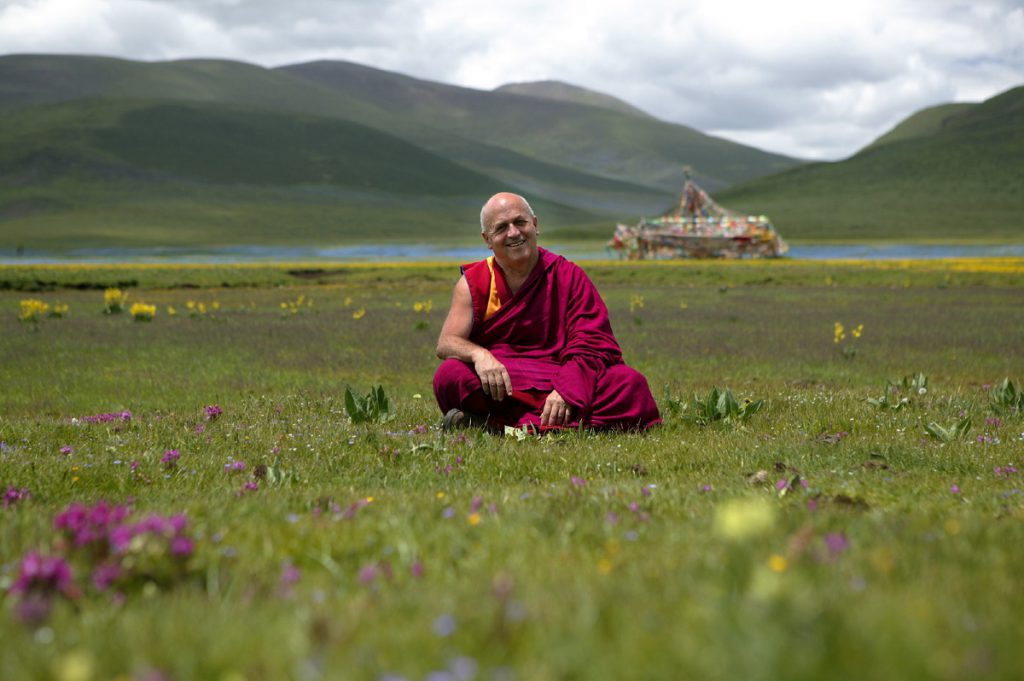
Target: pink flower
<point x="67" y="450"/>
<point x="212" y="412"/>
<point x="576" y="481"/>
<point x="954" y="488"/>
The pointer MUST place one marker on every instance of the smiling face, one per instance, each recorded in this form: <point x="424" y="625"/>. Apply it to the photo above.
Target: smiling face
<point x="510" y="231"/>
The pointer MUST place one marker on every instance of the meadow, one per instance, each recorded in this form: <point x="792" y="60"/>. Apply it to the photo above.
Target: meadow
<point x="190" y="497"/>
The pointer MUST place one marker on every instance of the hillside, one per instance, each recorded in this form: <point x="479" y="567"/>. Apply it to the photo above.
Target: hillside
<point x="565" y="92"/>
<point x="142" y="172"/>
<point x="582" y="137"/>
<point x="945" y="173"/>
<point x="99" y="150"/>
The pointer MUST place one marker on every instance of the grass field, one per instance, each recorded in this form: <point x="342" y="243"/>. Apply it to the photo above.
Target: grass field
<point x="822" y="538"/>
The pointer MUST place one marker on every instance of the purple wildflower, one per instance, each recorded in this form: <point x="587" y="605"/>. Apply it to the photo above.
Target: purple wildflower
<point x="43" y="574"/>
<point x="993" y="422"/>
<point x="368" y="574"/>
<point x="104" y="575"/>
<point x="416" y="569"/>
<point x="13" y="495"/>
<point x="67" y="450"/>
<point x="250" y="486"/>
<point x="836" y="543"/>
<point x="448" y="513"/>
<point x="576" y="481"/>
<point x="289" y="574"/>
<point x="200" y="429"/>
<point x="612" y="518"/>
<point x="954" y="488"/>
<point x="419" y="429"/>
<point x="234" y="466"/>
<point x="706" y="488"/>
<point x="782" y="484"/>
<point x="134" y="465"/>
<point x="212" y="412"/>
<point x="170" y="458"/>
<point x="182" y="546"/>
<point x="444" y="625"/>
<point x="1004" y="471"/>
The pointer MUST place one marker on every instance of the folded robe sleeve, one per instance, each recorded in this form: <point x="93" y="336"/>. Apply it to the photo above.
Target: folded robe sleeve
<point x="590" y="344"/>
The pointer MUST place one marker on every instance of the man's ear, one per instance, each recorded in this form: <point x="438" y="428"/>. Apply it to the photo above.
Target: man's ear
<point x="483" y="235"/>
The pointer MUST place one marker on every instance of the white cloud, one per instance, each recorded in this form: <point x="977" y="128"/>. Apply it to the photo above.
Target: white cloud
<point x="800" y="77"/>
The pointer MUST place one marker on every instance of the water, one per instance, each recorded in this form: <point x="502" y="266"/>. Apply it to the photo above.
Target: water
<point x="463" y="254"/>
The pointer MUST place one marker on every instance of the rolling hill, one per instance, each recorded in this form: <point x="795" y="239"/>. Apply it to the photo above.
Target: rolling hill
<point x="949" y="172"/>
<point x="97" y="150"/>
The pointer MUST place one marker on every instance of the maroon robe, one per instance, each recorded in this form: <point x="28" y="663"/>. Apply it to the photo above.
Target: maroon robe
<point x="552" y="334"/>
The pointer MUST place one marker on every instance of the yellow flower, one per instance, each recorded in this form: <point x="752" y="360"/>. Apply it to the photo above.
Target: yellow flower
<point x="417" y="307"/>
<point x="359" y="314"/>
<point x="739" y="519"/>
<point x="636" y="303"/>
<point x="114" y="300"/>
<point x="474" y="519"/>
<point x="142" y="312"/>
<point x="171" y="311"/>
<point x="777" y="563"/>
<point x="858" y="331"/>
<point x="32" y="310"/>
<point x="348" y="301"/>
<point x="215" y="305"/>
<point x="839" y="333"/>
<point x="604" y="566"/>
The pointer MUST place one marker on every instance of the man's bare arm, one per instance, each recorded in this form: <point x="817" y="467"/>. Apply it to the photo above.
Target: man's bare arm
<point x="454" y="343"/>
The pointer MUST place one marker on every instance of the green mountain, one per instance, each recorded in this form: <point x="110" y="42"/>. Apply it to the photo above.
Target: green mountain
<point x="594" y="140"/>
<point x="565" y="92"/>
<point x="98" y="150"/>
<point x="947" y="172"/>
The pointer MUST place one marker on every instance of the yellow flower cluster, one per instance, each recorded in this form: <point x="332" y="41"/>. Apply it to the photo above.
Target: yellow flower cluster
<point x="198" y="309"/>
<point x="142" y="312"/>
<point x="297" y="305"/>
<point x="114" y="300"/>
<point x="32" y="310"/>
<point x="839" y="332"/>
<point x="59" y="310"/>
<point x="636" y="303"/>
<point x="425" y="306"/>
<point x="359" y="314"/>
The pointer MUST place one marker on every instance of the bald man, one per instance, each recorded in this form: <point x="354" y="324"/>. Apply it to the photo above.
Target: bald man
<point x="527" y="341"/>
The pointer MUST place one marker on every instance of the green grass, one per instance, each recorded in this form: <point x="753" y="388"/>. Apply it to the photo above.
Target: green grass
<point x="640" y="572"/>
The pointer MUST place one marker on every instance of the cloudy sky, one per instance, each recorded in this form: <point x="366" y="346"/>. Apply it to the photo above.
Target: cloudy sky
<point x="807" y="78"/>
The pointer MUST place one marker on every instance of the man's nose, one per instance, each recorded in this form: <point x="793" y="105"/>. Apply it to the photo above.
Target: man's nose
<point x="513" y="230"/>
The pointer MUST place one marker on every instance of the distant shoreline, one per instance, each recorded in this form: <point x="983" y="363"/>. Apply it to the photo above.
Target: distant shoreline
<point x="385" y="253"/>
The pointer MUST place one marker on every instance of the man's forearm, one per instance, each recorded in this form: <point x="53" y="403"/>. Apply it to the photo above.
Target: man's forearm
<point x="459" y="348"/>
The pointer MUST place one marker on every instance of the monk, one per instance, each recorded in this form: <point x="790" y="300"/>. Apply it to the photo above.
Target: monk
<point x="527" y="341"/>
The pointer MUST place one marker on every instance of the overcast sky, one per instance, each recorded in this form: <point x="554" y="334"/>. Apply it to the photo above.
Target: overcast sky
<point x="809" y="78"/>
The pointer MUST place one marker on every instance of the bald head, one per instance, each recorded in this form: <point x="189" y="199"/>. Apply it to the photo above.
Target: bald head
<point x="502" y="200"/>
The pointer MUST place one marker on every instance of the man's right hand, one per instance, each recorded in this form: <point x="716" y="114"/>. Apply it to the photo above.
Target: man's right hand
<point x="493" y="375"/>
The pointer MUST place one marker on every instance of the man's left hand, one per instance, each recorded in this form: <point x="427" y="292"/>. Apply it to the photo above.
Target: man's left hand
<point x="557" y="412"/>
